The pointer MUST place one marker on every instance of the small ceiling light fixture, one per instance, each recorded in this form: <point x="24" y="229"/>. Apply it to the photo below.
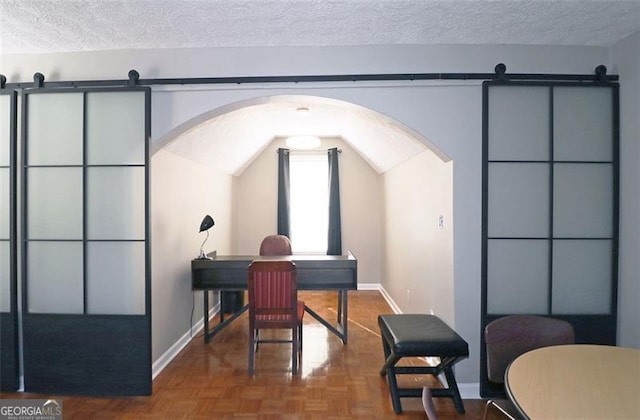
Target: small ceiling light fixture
<point x="303" y="142"/>
<point x="302" y="110"/>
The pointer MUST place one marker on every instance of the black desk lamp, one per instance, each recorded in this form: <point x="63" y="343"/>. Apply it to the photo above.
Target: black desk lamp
<point x="206" y="224"/>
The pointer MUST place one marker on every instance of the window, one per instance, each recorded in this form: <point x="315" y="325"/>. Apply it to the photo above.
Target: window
<point x="309" y="197"/>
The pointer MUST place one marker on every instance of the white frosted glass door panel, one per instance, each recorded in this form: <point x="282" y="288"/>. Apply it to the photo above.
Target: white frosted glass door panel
<point x="54" y="278"/>
<point x="5" y="220"/>
<point x="517" y="276"/>
<point x="581" y="277"/>
<point x="583" y="200"/>
<point x="5" y="129"/>
<point x="116" y="128"/>
<point x="115" y="203"/>
<point x="116" y="278"/>
<point x="54" y="129"/>
<point x="518" y="200"/>
<point x="5" y="281"/>
<point x="54" y="203"/>
<point x="519" y="123"/>
<point x="582" y="127"/>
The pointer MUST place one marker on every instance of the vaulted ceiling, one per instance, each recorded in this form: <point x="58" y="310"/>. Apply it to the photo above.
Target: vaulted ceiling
<point x="32" y="27"/>
<point x="229" y="141"/>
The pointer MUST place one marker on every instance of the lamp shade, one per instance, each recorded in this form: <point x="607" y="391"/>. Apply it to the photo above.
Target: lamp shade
<point x="207" y="223"/>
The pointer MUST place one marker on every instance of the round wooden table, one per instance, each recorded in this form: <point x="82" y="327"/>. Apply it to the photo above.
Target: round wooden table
<point x="576" y="382"/>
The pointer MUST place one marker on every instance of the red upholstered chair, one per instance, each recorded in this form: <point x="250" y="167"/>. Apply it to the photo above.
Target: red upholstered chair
<point x="275" y="245"/>
<point x="508" y="337"/>
<point x="273" y="304"/>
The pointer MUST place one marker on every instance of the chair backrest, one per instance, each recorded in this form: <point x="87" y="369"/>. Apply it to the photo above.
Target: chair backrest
<point x="275" y="245"/>
<point x="508" y="337"/>
<point x="273" y="294"/>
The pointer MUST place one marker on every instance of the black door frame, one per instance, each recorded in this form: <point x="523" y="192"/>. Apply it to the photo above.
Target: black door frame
<point x="86" y="354"/>
<point x="594" y="329"/>
<point x="9" y="349"/>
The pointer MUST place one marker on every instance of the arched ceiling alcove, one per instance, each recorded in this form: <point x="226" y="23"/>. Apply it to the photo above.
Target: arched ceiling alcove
<point x="228" y="138"/>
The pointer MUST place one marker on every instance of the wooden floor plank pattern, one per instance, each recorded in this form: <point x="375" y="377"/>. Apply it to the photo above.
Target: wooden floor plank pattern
<point x="335" y="381"/>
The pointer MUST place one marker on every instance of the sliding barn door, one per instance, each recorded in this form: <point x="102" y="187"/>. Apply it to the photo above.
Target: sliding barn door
<point x="85" y="258"/>
<point x="9" y="362"/>
<point x="550" y="206"/>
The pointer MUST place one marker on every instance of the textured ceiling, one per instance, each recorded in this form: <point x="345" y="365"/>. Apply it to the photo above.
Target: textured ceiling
<point x="72" y="25"/>
<point x="30" y="26"/>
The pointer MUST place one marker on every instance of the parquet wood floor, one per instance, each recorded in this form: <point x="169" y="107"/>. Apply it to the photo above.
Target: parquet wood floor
<point x="335" y="381"/>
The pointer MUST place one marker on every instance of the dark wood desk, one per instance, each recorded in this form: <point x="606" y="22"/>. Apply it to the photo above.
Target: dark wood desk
<point x="315" y="272"/>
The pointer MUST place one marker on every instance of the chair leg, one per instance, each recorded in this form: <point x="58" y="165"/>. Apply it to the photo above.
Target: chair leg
<point x="300" y="338"/>
<point x="294" y="350"/>
<point x="252" y="352"/>
<point x="492" y="403"/>
<point x="427" y="403"/>
<point x="257" y="340"/>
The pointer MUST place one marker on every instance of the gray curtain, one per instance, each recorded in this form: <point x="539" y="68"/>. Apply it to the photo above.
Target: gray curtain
<point x="334" y="244"/>
<point x="284" y="218"/>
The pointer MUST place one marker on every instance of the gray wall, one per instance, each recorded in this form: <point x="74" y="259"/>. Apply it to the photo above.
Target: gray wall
<point x="446" y="113"/>
<point x="182" y="193"/>
<point x="625" y="60"/>
<point x="417" y="252"/>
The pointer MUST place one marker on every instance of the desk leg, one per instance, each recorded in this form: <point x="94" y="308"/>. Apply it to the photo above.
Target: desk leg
<point x="221" y="303"/>
<point x="339" y="319"/>
<point x="343" y="302"/>
<point x="206" y="316"/>
<point x="226" y="322"/>
<point x="341" y="329"/>
<point x="208" y="334"/>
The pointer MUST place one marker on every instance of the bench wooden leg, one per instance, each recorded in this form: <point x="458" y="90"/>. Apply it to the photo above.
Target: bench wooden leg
<point x="393" y="387"/>
<point x="387" y="353"/>
<point x="389" y="370"/>
<point x="453" y="386"/>
<point x="389" y="363"/>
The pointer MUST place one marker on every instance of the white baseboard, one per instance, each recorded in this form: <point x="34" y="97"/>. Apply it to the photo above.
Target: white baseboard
<point x="368" y="286"/>
<point x="383" y="292"/>
<point x="396" y="309"/>
<point x="470" y="391"/>
<point x="166" y="358"/>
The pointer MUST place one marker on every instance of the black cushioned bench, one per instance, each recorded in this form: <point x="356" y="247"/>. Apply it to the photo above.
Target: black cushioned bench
<point x="418" y="335"/>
